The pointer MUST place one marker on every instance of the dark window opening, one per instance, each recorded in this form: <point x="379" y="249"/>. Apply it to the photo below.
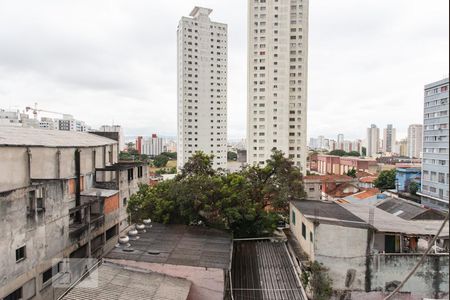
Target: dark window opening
<point x="50" y="272"/>
<point x="16" y="295"/>
<point x="20" y="254"/>
<point x="140" y="172"/>
<point x="110" y="233"/>
<point x="304" y="230"/>
<point x="130" y="174"/>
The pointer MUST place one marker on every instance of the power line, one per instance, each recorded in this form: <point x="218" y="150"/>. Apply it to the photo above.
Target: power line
<point x="420" y="261"/>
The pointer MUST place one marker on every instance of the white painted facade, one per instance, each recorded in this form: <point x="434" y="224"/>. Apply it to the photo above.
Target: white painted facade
<point x="373" y="141"/>
<point x="202" y="87"/>
<point x="277" y="79"/>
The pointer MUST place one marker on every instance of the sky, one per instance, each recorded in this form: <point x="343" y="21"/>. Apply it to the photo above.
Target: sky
<point x="114" y="62"/>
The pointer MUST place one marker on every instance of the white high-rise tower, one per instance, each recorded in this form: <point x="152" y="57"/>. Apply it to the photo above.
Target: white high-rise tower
<point x="202" y="87"/>
<point x="277" y="79"/>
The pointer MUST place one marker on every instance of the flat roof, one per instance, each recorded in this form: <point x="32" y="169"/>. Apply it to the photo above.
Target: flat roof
<point x="179" y="245"/>
<point x="263" y="270"/>
<point x="328" y="213"/>
<point x="94" y="192"/>
<point x="118" y="282"/>
<point x="19" y="136"/>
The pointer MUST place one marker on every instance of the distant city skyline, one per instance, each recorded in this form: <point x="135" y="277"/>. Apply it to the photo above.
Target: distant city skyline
<point x="119" y="67"/>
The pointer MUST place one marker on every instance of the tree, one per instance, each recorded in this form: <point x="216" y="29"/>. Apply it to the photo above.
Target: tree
<point x="353" y="153"/>
<point x="413" y="188"/>
<point x="160" y="161"/>
<point x="364" y="151"/>
<point x="320" y="282"/>
<point x="231" y="156"/>
<point x="386" y="180"/>
<point x="352" y="173"/>
<point x="249" y="203"/>
<point x="338" y="152"/>
<point x="199" y="164"/>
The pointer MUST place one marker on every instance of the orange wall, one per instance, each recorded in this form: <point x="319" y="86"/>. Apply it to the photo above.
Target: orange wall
<point x="111" y="204"/>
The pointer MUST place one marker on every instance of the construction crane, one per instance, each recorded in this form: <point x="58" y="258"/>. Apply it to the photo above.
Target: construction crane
<point x="35" y="110"/>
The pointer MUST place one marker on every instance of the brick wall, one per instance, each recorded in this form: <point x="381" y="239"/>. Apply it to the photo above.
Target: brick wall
<point x="111" y="204"/>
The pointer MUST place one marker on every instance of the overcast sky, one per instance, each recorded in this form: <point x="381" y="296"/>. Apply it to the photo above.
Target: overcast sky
<point x="115" y="61"/>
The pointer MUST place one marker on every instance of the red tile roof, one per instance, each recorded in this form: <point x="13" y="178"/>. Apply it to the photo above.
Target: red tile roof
<point x="367" y="179"/>
<point x="328" y="178"/>
<point x="367" y="193"/>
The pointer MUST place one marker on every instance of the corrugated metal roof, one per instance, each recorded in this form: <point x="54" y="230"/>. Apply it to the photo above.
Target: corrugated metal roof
<point x="116" y="282"/>
<point x="263" y="270"/>
<point x="19" y="136"/>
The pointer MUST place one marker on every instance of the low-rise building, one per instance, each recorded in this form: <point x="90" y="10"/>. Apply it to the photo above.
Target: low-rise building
<point x="337" y="165"/>
<point x="53" y="207"/>
<point x="405" y="176"/>
<point x="367" y="251"/>
<point x="320" y="187"/>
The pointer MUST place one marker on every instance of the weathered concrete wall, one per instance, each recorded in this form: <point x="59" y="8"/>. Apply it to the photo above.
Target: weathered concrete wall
<point x="431" y="279"/>
<point x="45" y="236"/>
<point x="306" y="243"/>
<point x="342" y="250"/>
<point x="44" y="163"/>
<point x="13" y="168"/>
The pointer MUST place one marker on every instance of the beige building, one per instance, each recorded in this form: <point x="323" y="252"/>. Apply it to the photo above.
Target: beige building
<point x="202" y="87"/>
<point x="373" y="141"/>
<point x="415" y="140"/>
<point x="277" y="80"/>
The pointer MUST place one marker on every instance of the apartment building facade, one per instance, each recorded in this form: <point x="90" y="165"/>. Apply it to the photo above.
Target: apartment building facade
<point x="202" y="87"/>
<point x="277" y="80"/>
<point x="373" y="140"/>
<point x="389" y="138"/>
<point x="435" y="162"/>
<point x="415" y="140"/>
<point x="152" y="146"/>
<point x="54" y="210"/>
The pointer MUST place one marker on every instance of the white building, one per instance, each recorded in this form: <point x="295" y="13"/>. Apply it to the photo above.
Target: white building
<point x="153" y="146"/>
<point x="389" y="138"/>
<point x="9" y="118"/>
<point x="277" y="79"/>
<point x="435" y="162"/>
<point x="415" y="140"/>
<point x="202" y="87"/>
<point x="373" y="140"/>
<point x="340" y="141"/>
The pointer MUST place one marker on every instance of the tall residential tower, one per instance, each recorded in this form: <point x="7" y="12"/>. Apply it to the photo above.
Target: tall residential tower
<point x="202" y="87"/>
<point x="373" y="140"/>
<point x="415" y="140"/>
<point x="435" y="162"/>
<point x="389" y="138"/>
<point x="277" y="79"/>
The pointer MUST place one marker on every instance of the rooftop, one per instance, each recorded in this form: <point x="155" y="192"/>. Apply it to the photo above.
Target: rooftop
<point x="200" y="11"/>
<point x="117" y="282"/>
<point x="179" y="245"/>
<point x="263" y="270"/>
<point x="343" y="190"/>
<point x="383" y="221"/>
<point x="367" y="179"/>
<point x="328" y="178"/>
<point x="19" y="136"/>
<point x="328" y="213"/>
<point x="370" y="196"/>
<point x="408" y="210"/>
<point x="94" y="192"/>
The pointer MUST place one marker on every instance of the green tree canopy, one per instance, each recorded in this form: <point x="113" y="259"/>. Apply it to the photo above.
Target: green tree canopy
<point x="338" y="152"/>
<point x="248" y="203"/>
<point x="386" y="180"/>
<point x="160" y="161"/>
<point x="231" y="156"/>
<point x="352" y="173"/>
<point x="413" y="187"/>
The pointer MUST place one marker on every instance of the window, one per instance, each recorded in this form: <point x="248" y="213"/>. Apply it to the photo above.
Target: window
<point x="20" y="253"/>
<point x="130" y="174"/>
<point x="49" y="273"/>
<point x="140" y="172"/>
<point x="124" y="201"/>
<point x="293" y="217"/>
<point x="311" y="236"/>
<point x="110" y="233"/>
<point x="304" y="230"/>
<point x="16" y="295"/>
